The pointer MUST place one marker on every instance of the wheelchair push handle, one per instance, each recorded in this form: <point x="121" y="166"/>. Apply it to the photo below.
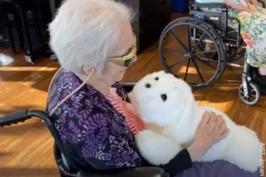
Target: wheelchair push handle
<point x="14" y="118"/>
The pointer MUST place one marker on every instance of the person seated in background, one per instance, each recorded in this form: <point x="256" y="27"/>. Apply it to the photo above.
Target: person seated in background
<point x="253" y="31"/>
<point x="94" y="43"/>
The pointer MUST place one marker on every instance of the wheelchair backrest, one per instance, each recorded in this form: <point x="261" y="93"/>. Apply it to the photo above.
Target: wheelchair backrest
<point x="214" y="13"/>
<point x="217" y="19"/>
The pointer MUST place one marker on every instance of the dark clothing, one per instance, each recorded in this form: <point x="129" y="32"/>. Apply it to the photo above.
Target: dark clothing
<point x="181" y="162"/>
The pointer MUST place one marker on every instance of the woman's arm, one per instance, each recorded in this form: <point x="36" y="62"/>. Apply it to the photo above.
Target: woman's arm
<point x="109" y="145"/>
<point x="211" y="130"/>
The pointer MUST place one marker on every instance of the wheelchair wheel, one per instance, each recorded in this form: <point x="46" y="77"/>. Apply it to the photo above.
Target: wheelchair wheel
<point x="192" y="50"/>
<point x="253" y="96"/>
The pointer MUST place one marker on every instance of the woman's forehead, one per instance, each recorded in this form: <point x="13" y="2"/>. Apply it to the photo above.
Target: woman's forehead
<point x="126" y="39"/>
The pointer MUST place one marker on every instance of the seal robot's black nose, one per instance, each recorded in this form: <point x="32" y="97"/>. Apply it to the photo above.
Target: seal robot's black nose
<point x="164" y="97"/>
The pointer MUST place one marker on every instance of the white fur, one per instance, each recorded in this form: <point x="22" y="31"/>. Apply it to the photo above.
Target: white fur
<point x="177" y="119"/>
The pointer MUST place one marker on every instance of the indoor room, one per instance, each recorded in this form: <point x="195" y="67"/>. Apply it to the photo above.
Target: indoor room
<point x="132" y="88"/>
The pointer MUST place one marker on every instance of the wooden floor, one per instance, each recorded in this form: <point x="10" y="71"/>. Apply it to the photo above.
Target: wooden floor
<point x="26" y="149"/>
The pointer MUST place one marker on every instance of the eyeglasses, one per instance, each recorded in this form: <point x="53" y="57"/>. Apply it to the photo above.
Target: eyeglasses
<point x="126" y="59"/>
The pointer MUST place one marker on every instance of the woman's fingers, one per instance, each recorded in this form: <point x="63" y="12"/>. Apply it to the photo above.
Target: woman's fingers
<point x="222" y="126"/>
<point x="255" y="2"/>
<point x="224" y="134"/>
<point x="203" y="140"/>
<point x="237" y="6"/>
<point x="221" y="122"/>
<point x="241" y="8"/>
<point x="216" y="127"/>
<point x="211" y="130"/>
<point x="212" y="124"/>
<point x="205" y="119"/>
<point x="221" y="130"/>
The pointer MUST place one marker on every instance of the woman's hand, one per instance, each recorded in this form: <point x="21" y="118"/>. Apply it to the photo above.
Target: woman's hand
<point x="241" y="6"/>
<point x="254" y="2"/>
<point x="211" y="130"/>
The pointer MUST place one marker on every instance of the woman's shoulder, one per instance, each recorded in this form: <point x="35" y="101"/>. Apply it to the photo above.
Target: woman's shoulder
<point x="66" y="79"/>
<point x="85" y="105"/>
<point x="66" y="83"/>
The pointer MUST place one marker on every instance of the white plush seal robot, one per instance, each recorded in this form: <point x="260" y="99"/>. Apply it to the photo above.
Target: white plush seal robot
<point x="171" y="117"/>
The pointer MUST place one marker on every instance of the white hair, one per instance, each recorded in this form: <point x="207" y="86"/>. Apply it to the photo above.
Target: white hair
<point x="85" y="32"/>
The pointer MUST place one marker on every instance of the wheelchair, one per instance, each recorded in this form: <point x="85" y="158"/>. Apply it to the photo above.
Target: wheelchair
<point x="66" y="164"/>
<point x="197" y="48"/>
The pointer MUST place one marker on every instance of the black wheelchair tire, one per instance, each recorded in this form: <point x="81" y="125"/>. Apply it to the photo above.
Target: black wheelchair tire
<point x="208" y="30"/>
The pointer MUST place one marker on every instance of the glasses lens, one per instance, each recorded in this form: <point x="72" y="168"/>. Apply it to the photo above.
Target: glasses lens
<point x="126" y="59"/>
<point x="127" y="62"/>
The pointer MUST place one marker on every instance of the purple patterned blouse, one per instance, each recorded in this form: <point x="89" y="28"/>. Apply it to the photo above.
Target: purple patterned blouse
<point x="94" y="132"/>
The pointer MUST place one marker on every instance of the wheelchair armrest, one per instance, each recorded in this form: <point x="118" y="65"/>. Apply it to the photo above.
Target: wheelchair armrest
<point x="136" y="172"/>
<point x="14" y="118"/>
<point x="22" y="116"/>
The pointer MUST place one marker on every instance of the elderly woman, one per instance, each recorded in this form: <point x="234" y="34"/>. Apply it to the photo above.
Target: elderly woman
<point x="253" y="30"/>
<point x="94" y="43"/>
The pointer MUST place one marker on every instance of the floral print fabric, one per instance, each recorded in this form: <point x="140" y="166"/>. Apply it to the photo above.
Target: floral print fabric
<point x="253" y="30"/>
<point x="94" y="132"/>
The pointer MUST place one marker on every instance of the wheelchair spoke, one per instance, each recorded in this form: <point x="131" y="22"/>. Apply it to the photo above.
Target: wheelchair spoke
<point x="197" y="68"/>
<point x="206" y="63"/>
<point x="199" y="41"/>
<point x="171" y="66"/>
<point x="188" y="64"/>
<point x="194" y="40"/>
<point x="180" y="42"/>
<point x="189" y="38"/>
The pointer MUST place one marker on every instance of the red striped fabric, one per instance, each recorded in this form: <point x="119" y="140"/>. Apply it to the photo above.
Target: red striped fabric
<point x="133" y="121"/>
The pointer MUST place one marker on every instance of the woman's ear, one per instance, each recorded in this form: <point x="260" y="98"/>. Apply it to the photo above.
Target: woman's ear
<point x="86" y="69"/>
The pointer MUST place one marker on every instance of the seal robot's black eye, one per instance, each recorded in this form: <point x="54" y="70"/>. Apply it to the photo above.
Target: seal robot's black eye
<point x="156" y="78"/>
<point x="148" y="85"/>
<point x="164" y="97"/>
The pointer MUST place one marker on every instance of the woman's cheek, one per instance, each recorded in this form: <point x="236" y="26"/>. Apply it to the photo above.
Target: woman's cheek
<point x="122" y="74"/>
